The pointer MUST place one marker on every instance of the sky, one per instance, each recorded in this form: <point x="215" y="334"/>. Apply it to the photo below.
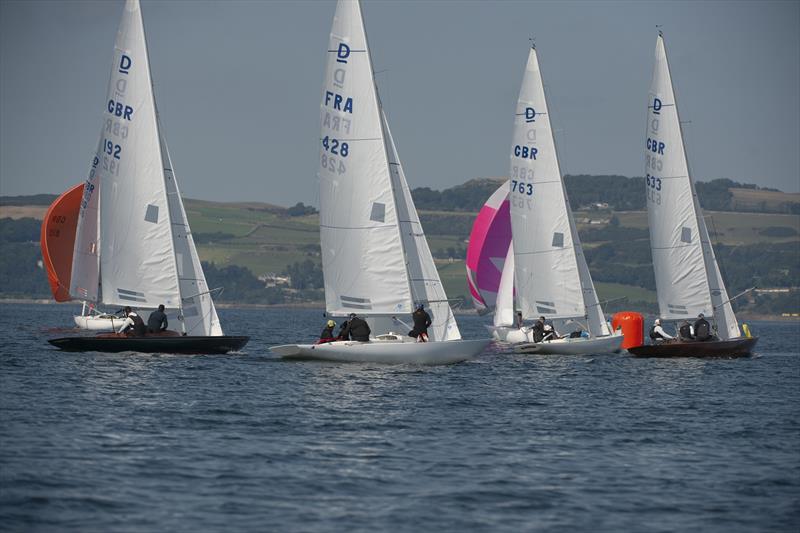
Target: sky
<point x="239" y="83"/>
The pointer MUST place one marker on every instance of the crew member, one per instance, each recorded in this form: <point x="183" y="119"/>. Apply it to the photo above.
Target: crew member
<point x="550" y="333"/>
<point x="327" y="333"/>
<point x="519" y="319"/>
<point x="538" y="330"/>
<point x="342" y="336"/>
<point x="157" y="321"/>
<point x="657" y="333"/>
<point x="133" y="323"/>
<point x="685" y="331"/>
<point x="702" y="330"/>
<point x="357" y="329"/>
<point x="422" y="320"/>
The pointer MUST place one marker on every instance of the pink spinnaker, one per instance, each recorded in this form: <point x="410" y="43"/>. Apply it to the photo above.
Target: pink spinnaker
<point x="488" y="246"/>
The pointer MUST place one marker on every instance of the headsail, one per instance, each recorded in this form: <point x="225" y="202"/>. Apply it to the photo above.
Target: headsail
<point x="197" y="307"/>
<point x="504" y="307"/>
<point x="426" y="286"/>
<point x="58" y="240"/>
<point x="488" y="246"/>
<point x="687" y="276"/>
<point x="551" y="276"/>
<point x="362" y="250"/>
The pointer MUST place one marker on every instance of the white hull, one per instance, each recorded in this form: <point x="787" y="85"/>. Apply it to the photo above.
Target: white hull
<point x="522" y="342"/>
<point x="395" y="350"/>
<point x="98" y="323"/>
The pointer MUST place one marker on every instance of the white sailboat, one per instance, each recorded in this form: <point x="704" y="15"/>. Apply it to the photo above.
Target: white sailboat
<point x="133" y="246"/>
<point x="688" y="279"/>
<point x="375" y="257"/>
<point x="551" y="276"/>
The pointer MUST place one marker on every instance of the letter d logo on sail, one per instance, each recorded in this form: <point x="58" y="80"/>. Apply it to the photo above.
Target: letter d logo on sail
<point x="530" y="114"/>
<point x="342" y="53"/>
<point x="124" y="64"/>
<point x="656" y="106"/>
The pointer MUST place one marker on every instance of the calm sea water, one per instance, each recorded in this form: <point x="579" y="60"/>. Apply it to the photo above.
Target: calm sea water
<point x="133" y="442"/>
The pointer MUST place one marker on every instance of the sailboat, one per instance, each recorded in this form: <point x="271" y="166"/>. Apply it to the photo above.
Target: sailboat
<point x="688" y="279"/>
<point x="551" y="277"/>
<point x="57" y="242"/>
<point x="133" y="245"/>
<point x="487" y="250"/>
<point x="375" y="258"/>
<point x="490" y="263"/>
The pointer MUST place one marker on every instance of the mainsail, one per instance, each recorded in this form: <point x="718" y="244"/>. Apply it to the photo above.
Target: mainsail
<point x="551" y="276"/>
<point x="374" y="255"/>
<point x="133" y="237"/>
<point x="688" y="280"/>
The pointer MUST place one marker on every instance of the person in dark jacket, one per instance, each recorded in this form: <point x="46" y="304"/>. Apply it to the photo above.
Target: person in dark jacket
<point x="538" y="330"/>
<point x="520" y="322"/>
<point x="157" y="321"/>
<point x="422" y="321"/>
<point x="702" y="329"/>
<point x="685" y="331"/>
<point x="343" y="331"/>
<point x="133" y="324"/>
<point x="357" y="329"/>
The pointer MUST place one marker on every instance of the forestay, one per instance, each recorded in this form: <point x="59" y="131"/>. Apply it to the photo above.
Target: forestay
<point x="687" y="276"/>
<point x="362" y="250"/>
<point x="551" y="277"/>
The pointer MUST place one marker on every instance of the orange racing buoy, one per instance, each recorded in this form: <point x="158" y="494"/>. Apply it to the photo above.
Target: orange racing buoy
<point x="632" y="325"/>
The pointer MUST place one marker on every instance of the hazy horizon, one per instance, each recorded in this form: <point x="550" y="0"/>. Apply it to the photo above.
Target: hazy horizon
<point x="238" y="86"/>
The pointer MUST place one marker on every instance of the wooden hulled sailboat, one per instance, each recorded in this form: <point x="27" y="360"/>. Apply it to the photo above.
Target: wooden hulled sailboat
<point x="133" y="246"/>
<point x="688" y="278"/>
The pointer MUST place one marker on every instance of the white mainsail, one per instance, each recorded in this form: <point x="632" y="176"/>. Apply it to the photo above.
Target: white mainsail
<point x="145" y="252"/>
<point x="551" y="276"/>
<point x="362" y="251"/>
<point x="375" y="258"/>
<point x="688" y="280"/>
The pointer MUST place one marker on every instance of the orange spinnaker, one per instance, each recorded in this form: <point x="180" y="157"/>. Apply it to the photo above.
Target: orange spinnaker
<point x="58" y="240"/>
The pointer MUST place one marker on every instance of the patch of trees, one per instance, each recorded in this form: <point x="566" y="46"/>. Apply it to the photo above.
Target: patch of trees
<point x="20" y="229"/>
<point x="30" y="199"/>
<point x="621" y="193"/>
<point x="300" y="209"/>
<point x="239" y="285"/>
<point x="305" y="275"/>
<point x="20" y="273"/>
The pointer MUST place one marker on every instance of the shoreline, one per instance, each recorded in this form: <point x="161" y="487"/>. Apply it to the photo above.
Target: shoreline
<point x="743" y="317"/>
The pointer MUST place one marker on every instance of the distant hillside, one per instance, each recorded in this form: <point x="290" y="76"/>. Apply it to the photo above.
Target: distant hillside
<point x="620" y="193"/>
<point x="240" y="241"/>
